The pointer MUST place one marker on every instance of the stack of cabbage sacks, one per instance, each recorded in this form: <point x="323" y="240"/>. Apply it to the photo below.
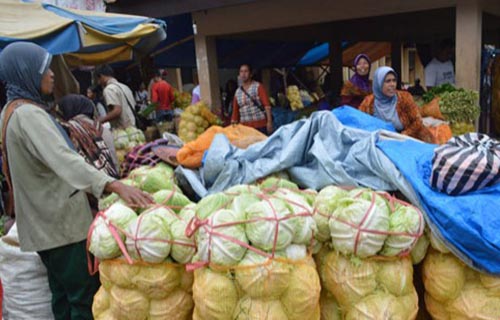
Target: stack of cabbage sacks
<point x="142" y="257"/>
<point x="126" y="139"/>
<point x="253" y="260"/>
<point x="365" y="264"/>
<point x="455" y="291"/>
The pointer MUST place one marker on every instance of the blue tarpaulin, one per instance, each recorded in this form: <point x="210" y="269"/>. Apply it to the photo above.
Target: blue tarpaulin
<point x="321" y="151"/>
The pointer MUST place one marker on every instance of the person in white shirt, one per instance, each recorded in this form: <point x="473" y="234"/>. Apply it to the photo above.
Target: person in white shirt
<point x="440" y="70"/>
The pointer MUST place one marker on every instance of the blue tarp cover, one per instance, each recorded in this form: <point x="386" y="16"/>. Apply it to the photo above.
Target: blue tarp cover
<point x="322" y="150"/>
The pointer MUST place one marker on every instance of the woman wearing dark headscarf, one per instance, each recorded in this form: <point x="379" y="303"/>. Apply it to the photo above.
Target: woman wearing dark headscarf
<point x="359" y="86"/>
<point x="93" y="141"/>
<point x="396" y="107"/>
<point x="48" y="180"/>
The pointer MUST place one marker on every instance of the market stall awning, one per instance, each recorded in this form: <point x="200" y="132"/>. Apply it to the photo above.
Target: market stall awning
<point x="85" y="37"/>
<point x="319" y="54"/>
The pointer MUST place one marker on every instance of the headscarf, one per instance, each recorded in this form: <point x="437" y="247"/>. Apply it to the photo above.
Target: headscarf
<point x="384" y="106"/>
<point x="362" y="82"/>
<point x="72" y="105"/>
<point x="22" y="66"/>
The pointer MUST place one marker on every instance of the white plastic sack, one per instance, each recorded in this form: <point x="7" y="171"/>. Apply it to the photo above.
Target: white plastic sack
<point x="26" y="292"/>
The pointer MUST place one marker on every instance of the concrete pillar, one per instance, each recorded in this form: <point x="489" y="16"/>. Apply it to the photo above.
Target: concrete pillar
<point x="336" y="68"/>
<point x="178" y="74"/>
<point x="208" y="75"/>
<point x="468" y="43"/>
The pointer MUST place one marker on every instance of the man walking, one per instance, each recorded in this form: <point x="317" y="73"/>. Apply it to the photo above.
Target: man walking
<point x="119" y="99"/>
<point x="162" y="94"/>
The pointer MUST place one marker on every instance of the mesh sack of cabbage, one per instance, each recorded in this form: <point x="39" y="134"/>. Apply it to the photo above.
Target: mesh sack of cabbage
<point x="455" y="291"/>
<point x="371" y="288"/>
<point x="143" y="291"/>
<point x="149" y="280"/>
<point x="364" y="223"/>
<point x="252" y="260"/>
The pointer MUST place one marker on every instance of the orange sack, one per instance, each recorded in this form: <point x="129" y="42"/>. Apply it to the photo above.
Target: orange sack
<point x="191" y="154"/>
<point x="441" y="133"/>
<point x="432" y="110"/>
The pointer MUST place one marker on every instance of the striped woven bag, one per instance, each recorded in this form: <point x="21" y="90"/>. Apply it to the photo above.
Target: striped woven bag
<point x="466" y="163"/>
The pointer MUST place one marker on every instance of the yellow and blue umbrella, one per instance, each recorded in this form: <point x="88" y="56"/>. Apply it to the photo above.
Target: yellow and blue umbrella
<point x="84" y="37"/>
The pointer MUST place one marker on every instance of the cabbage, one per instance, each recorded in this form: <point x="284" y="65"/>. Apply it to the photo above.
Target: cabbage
<point x="223" y="251"/>
<point x="310" y="196"/>
<point x="262" y="233"/>
<point x="378" y="306"/>
<point x="273" y="183"/>
<point x="262" y="277"/>
<point x="172" y="199"/>
<point x="151" y="236"/>
<point x="128" y="304"/>
<point x="241" y="203"/>
<point x="474" y="302"/>
<point x="101" y="302"/>
<point x="102" y="243"/>
<point x="154" y="180"/>
<point x="325" y="204"/>
<point x="405" y="219"/>
<point x="302" y="295"/>
<point x="242" y="189"/>
<point x="396" y="276"/>
<point x="182" y="253"/>
<point x="296" y="252"/>
<point x="158" y="281"/>
<point x="178" y="305"/>
<point x="349" y="282"/>
<point x="329" y="307"/>
<point x="491" y="283"/>
<point x="210" y="204"/>
<point x="444" y="276"/>
<point x="121" y="139"/>
<point x="305" y="226"/>
<point x="138" y="174"/>
<point x="437" y="244"/>
<point x="368" y="195"/>
<point x="135" y="135"/>
<point x="214" y="294"/>
<point x="358" y="212"/>
<point x="120" y="274"/>
<point x="188" y="212"/>
<point x="253" y="309"/>
<point x="420" y="250"/>
<point x="165" y="169"/>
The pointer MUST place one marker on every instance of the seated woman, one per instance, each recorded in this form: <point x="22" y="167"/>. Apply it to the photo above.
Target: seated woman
<point x="359" y="86"/>
<point x="394" y="106"/>
<point x="91" y="140"/>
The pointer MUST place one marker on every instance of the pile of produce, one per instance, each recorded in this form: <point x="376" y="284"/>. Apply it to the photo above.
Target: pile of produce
<point x="294" y="97"/>
<point x="127" y="139"/>
<point x="459" y="107"/>
<point x="195" y="120"/>
<point x="182" y="100"/>
<point x="143" y="291"/>
<point x="364" y="264"/>
<point x="455" y="291"/>
<point x="143" y="252"/>
<point x="253" y="260"/>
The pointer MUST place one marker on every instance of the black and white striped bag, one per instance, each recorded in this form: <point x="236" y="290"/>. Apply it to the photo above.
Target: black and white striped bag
<point x="466" y="163"/>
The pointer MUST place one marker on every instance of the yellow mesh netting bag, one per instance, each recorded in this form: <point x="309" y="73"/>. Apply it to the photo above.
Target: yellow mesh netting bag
<point x="455" y="291"/>
<point x="143" y="291"/>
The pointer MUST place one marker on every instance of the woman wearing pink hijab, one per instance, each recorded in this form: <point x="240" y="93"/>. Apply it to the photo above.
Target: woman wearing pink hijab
<point x="359" y="86"/>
